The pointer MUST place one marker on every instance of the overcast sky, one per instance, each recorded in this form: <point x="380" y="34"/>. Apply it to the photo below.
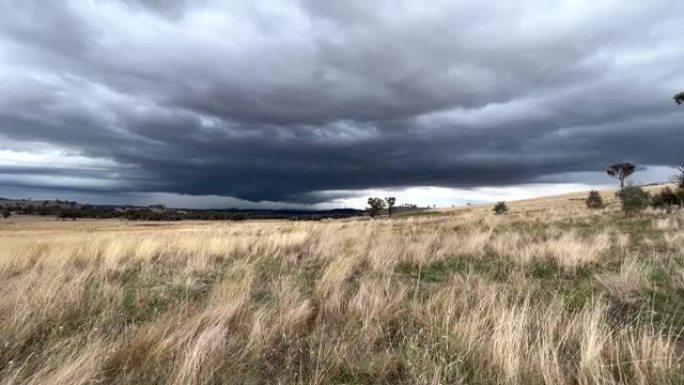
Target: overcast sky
<point x="315" y="103"/>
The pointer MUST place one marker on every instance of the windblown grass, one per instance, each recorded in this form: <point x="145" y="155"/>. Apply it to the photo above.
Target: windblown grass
<point x="539" y="296"/>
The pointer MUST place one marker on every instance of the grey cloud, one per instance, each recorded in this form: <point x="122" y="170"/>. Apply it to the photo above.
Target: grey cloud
<point x="280" y="100"/>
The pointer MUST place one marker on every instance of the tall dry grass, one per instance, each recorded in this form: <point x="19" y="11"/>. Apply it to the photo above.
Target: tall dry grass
<point x="535" y="297"/>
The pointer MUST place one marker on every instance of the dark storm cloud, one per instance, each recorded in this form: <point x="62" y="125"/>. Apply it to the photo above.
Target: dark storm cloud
<point x="284" y="100"/>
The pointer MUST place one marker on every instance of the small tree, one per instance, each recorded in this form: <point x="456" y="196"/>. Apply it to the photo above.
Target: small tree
<point x="500" y="208"/>
<point x="633" y="199"/>
<point x="621" y="171"/>
<point x="6" y="213"/>
<point x="390" y="204"/>
<point x="594" y="200"/>
<point x="376" y="204"/>
<point x="679" y="98"/>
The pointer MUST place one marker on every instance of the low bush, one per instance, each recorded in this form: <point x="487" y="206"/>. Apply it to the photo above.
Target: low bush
<point x="633" y="199"/>
<point x="667" y="198"/>
<point x="594" y="200"/>
<point x="500" y="208"/>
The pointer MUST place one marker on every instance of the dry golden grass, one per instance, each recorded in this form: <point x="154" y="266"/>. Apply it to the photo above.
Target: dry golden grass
<point x="548" y="294"/>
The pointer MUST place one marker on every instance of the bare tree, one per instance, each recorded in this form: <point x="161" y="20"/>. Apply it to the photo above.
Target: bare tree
<point x="678" y="177"/>
<point x="621" y="171"/>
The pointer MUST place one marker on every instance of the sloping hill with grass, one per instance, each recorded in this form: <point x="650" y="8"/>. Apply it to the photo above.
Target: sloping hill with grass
<point x="575" y="200"/>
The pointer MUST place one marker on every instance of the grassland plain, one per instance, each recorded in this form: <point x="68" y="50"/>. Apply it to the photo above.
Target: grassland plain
<point x="550" y="293"/>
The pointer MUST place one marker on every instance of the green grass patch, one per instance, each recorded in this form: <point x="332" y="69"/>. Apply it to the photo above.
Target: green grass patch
<point x="663" y="307"/>
<point x="498" y="269"/>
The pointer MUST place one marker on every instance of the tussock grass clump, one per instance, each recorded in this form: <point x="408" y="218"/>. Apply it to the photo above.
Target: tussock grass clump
<point x="544" y="296"/>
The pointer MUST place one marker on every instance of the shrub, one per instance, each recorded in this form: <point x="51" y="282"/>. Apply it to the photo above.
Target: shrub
<point x="500" y="208"/>
<point x="667" y="198"/>
<point x="6" y="213"/>
<point x="658" y="201"/>
<point x="594" y="200"/>
<point x="633" y="199"/>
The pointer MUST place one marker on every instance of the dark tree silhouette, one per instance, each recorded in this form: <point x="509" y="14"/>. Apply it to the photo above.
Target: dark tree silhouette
<point x="679" y="98"/>
<point x="390" y="204"/>
<point x="621" y="171"/>
<point x="376" y="204"/>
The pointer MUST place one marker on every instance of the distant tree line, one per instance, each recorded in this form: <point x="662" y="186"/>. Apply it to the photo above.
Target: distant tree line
<point x="161" y="213"/>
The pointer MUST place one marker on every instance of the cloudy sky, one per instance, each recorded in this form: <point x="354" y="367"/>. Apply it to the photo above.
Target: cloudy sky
<point x="310" y="103"/>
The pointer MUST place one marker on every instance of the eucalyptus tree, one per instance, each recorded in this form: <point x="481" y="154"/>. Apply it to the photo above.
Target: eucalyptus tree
<point x="621" y="171"/>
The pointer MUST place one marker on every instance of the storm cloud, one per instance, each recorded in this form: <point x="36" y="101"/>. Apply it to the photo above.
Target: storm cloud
<point x="292" y="101"/>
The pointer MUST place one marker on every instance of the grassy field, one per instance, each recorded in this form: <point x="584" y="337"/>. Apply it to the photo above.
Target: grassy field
<point x="550" y="293"/>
